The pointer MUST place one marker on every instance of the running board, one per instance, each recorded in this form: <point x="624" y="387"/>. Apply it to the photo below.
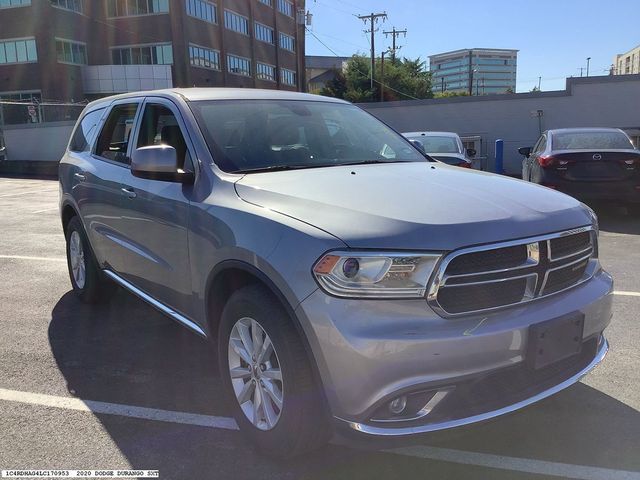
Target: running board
<point x="155" y="303"/>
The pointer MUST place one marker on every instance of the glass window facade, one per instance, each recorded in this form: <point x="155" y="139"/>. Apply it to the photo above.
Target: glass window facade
<point x="288" y="77"/>
<point x="18" y="51"/>
<point x="286" y="7"/>
<point x="73" y="5"/>
<point x="264" y="33"/>
<point x="287" y="42"/>
<point x="264" y="71"/>
<point x="206" y="11"/>
<point x="127" y="8"/>
<point x="160" y="54"/>
<point x="71" y="52"/>
<point x="204" y="57"/>
<point x="239" y="65"/>
<point x="236" y="22"/>
<point x="14" y="3"/>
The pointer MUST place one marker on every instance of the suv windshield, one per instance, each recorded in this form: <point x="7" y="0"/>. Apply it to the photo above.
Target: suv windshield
<point x="591" y="141"/>
<point x="254" y="135"/>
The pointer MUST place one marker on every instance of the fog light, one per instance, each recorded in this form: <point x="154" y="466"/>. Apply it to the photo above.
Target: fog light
<point x="397" y="405"/>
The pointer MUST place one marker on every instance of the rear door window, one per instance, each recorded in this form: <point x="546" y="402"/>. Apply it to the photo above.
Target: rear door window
<point x="85" y="131"/>
<point x="116" y="132"/>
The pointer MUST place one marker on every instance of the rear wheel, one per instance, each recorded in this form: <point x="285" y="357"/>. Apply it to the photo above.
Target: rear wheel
<point x="87" y="280"/>
<point x="267" y="376"/>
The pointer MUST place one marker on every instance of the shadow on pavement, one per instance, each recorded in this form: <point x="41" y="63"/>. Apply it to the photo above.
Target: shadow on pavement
<point x="125" y="352"/>
<point x="617" y="219"/>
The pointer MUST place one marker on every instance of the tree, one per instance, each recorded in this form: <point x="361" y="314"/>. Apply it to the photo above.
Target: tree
<point x="451" y="93"/>
<point x="403" y="80"/>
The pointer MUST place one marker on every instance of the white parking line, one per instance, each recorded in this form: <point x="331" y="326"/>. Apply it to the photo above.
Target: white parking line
<point x="44" y="259"/>
<point x="46" y="209"/>
<point x="629" y="294"/>
<point x="515" y="464"/>
<point x="524" y="465"/>
<point x="17" y="193"/>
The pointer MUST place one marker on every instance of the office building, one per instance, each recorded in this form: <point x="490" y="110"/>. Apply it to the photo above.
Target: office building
<point x="72" y="50"/>
<point x="322" y="69"/>
<point x="478" y="71"/>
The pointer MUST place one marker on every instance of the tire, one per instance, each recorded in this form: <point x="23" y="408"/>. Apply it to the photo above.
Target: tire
<point x="91" y="286"/>
<point x="302" y="423"/>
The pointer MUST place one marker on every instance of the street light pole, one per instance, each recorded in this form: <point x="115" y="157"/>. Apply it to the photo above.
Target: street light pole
<point x="588" y="60"/>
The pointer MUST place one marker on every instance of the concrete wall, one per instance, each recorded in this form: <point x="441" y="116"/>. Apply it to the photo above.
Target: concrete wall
<point x="37" y="141"/>
<point x="611" y="101"/>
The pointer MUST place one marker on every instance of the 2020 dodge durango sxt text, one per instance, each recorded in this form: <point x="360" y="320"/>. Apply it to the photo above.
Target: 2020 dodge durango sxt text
<point x="343" y="287"/>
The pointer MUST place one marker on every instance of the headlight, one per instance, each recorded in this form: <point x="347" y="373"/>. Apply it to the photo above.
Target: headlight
<point x="375" y="274"/>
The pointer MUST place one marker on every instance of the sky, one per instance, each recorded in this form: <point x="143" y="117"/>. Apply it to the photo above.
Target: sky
<point x="554" y="37"/>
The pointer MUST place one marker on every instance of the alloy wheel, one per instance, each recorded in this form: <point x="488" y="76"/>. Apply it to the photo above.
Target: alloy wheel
<point x="76" y="257"/>
<point x="255" y="373"/>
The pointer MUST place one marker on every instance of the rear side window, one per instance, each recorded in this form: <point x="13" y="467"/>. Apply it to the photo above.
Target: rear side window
<point x="114" y="137"/>
<point x="85" y="131"/>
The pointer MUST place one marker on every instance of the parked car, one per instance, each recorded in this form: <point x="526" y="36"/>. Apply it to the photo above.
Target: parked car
<point x="344" y="290"/>
<point x="446" y="147"/>
<point x="587" y="163"/>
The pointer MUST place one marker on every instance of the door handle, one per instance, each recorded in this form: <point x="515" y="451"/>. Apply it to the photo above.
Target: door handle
<point x="129" y="192"/>
<point x="79" y="177"/>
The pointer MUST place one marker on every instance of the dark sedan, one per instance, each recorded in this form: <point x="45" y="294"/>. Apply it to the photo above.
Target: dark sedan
<point x="587" y="163"/>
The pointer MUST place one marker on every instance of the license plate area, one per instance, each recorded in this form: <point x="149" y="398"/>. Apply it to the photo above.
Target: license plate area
<point x="554" y="340"/>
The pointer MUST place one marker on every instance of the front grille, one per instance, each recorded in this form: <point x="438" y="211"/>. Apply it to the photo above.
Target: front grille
<point x="563" y="246"/>
<point x="495" y="276"/>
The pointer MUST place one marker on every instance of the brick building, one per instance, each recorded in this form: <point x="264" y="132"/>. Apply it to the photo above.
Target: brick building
<point x="71" y="50"/>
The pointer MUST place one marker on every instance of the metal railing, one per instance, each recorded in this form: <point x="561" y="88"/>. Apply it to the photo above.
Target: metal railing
<point x="29" y="112"/>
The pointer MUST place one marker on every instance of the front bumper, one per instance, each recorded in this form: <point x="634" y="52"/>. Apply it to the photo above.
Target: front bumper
<point x="370" y="351"/>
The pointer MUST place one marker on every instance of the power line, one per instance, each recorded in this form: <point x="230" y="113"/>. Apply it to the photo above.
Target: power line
<point x="359" y="71"/>
<point x="372" y="18"/>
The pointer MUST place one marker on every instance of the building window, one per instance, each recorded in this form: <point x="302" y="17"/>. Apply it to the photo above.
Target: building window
<point x="14" y="3"/>
<point x="22" y="96"/>
<point x="236" y="22"/>
<point x="288" y="77"/>
<point x="128" y="8"/>
<point x="73" y="5"/>
<point x="286" y="7"/>
<point x="267" y="2"/>
<point x="287" y="42"/>
<point x="203" y="10"/>
<point x="71" y="52"/>
<point x="160" y="54"/>
<point x="204" y="57"/>
<point x="264" y="33"/>
<point x="239" y="65"/>
<point x="18" y="51"/>
<point x="264" y="71"/>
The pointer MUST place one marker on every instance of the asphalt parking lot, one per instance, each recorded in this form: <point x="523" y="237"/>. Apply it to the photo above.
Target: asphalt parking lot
<point x="121" y="386"/>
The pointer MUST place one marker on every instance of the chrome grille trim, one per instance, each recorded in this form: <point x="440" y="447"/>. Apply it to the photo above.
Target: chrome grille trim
<point x="441" y="278"/>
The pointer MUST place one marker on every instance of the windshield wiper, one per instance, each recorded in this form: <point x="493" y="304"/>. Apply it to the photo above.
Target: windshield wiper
<point x="278" y="168"/>
<point x="367" y="162"/>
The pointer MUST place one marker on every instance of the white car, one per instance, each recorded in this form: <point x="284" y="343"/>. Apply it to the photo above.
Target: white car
<point x="443" y="146"/>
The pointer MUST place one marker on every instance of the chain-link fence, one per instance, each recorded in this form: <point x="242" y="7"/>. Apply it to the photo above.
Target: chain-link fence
<point x="19" y="113"/>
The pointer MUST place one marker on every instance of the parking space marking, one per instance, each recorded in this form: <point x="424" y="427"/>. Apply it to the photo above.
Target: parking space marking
<point x="630" y="294"/>
<point x="46" y="209"/>
<point x="69" y="403"/>
<point x="23" y="257"/>
<point x="515" y="464"/>
<point x="5" y="195"/>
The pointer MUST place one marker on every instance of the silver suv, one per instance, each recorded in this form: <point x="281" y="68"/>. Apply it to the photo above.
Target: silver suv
<point x="331" y="263"/>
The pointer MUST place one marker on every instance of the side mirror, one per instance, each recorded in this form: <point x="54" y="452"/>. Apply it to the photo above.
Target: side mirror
<point x="525" y="151"/>
<point x="471" y="152"/>
<point x="418" y="144"/>
<point x="158" y="162"/>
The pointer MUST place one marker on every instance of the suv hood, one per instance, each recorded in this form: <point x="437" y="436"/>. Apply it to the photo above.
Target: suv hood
<point x="418" y="206"/>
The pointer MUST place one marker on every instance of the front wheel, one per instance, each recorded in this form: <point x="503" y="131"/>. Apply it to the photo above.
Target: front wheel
<point x="267" y="377"/>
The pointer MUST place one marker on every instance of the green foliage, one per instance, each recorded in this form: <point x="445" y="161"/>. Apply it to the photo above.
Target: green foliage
<point x="403" y="80"/>
<point x="451" y="93"/>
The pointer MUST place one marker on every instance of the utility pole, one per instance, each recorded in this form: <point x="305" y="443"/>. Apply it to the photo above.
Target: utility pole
<point x="581" y="70"/>
<point x="372" y="19"/>
<point x="394" y="34"/>
<point x="442" y="84"/>
<point x="382" y="75"/>
<point x="588" y="61"/>
<point x="539" y="82"/>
